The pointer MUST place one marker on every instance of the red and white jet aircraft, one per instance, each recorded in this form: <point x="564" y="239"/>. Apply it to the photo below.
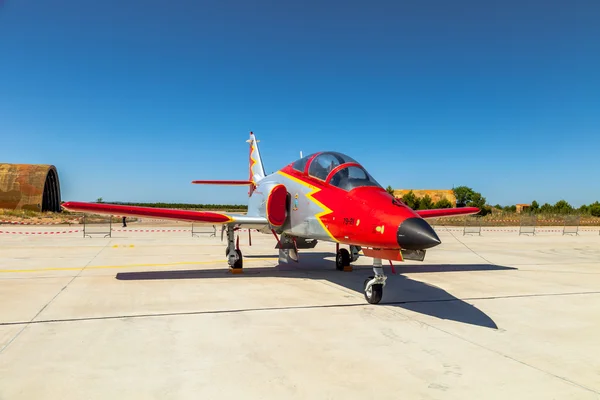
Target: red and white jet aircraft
<point x="324" y="196"/>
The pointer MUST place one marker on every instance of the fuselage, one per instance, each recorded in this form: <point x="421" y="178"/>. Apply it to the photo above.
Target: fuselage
<point x="355" y="211"/>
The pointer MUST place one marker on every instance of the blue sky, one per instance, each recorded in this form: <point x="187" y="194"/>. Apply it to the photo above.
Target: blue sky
<point x="131" y="100"/>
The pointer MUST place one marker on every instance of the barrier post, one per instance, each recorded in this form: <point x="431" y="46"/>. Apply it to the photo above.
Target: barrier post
<point x="472" y="225"/>
<point x="197" y="233"/>
<point x="527" y="225"/>
<point x="571" y="225"/>
<point x="89" y="234"/>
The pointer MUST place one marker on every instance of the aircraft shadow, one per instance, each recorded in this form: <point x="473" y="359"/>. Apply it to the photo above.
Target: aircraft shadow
<point x="313" y="255"/>
<point x="400" y="291"/>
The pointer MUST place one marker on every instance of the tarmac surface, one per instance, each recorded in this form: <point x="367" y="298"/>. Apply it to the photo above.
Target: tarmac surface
<point x="157" y="315"/>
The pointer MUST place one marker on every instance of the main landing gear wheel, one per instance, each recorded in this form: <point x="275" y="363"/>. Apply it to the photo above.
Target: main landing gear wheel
<point x="342" y="259"/>
<point x="240" y="261"/>
<point x="373" y="292"/>
<point x="234" y="260"/>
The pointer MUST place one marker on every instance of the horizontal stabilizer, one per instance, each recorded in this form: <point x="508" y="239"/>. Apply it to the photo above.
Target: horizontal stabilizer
<point x="214" y="182"/>
<point x="447" y="212"/>
<point x="202" y="217"/>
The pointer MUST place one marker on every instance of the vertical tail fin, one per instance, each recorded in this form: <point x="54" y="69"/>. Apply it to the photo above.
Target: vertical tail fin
<point x="257" y="171"/>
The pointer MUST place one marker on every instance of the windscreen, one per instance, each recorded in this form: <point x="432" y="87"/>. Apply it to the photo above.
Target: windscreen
<point x="324" y="163"/>
<point x="299" y="165"/>
<point x="352" y="177"/>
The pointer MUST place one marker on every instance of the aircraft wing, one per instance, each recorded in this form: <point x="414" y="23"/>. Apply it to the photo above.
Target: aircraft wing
<point x="447" y="212"/>
<point x="201" y="217"/>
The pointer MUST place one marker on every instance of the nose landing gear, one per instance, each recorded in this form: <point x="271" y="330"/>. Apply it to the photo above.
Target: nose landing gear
<point x="373" y="285"/>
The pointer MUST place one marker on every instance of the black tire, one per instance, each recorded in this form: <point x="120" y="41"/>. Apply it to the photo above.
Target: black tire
<point x="240" y="262"/>
<point x="376" y="293"/>
<point x="342" y="259"/>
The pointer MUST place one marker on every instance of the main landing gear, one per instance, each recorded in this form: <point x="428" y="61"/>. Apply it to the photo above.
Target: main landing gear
<point x="233" y="253"/>
<point x="343" y="258"/>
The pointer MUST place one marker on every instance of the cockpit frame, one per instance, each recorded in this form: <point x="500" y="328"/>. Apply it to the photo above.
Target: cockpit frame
<point x="323" y="173"/>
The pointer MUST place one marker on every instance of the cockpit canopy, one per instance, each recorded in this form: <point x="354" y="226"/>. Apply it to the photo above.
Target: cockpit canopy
<point x="351" y="175"/>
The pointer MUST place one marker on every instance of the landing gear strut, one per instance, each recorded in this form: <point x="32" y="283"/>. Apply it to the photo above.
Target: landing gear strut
<point x="354" y="252"/>
<point x="373" y="285"/>
<point x="233" y="253"/>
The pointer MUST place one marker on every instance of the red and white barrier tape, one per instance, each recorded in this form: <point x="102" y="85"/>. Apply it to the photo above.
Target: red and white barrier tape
<point x="537" y="229"/>
<point x="541" y="230"/>
<point x="38" y="233"/>
<point x="36" y="223"/>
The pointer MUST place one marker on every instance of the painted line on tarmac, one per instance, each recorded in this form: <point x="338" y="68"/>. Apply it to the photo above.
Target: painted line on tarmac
<point x="182" y="313"/>
<point x="286" y="308"/>
<point x="9" y="271"/>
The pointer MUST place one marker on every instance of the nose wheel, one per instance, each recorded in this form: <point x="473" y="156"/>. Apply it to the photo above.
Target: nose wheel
<point x="373" y="290"/>
<point x="373" y="285"/>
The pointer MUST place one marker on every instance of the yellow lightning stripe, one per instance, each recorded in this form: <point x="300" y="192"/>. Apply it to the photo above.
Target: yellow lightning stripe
<point x="314" y="190"/>
<point x="230" y="219"/>
<point x="252" y="162"/>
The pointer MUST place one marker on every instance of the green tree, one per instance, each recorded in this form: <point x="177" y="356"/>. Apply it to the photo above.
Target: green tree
<point x="425" y="203"/>
<point x="595" y="209"/>
<point x="477" y="200"/>
<point x="443" y="203"/>
<point x="390" y="190"/>
<point x="99" y="200"/>
<point x="485" y="210"/>
<point x="463" y="195"/>
<point x="546" y="208"/>
<point x="535" y="206"/>
<point x="411" y="200"/>
<point x="498" y="206"/>
<point x="562" y="207"/>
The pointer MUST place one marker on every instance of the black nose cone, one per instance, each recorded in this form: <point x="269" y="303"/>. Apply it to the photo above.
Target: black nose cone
<point x="416" y="234"/>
